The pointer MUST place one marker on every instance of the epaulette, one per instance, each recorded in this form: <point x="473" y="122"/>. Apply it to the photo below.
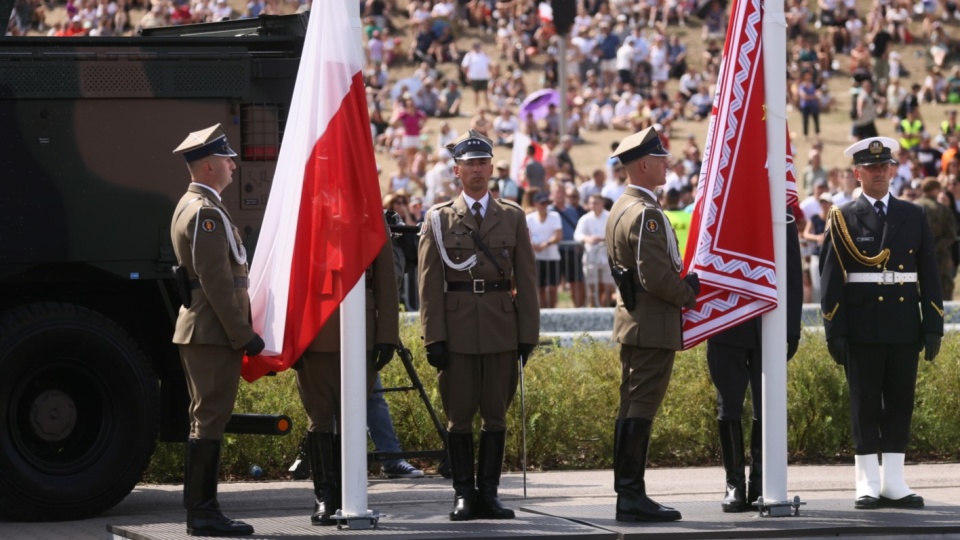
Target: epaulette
<point x="443" y="204"/>
<point x="508" y="202"/>
<point x="432" y="211"/>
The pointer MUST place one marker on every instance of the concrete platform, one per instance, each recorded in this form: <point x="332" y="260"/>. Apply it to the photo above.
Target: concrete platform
<point x="593" y="519"/>
<point x="400" y="523"/>
<point x="558" y="504"/>
<point x="821" y="518"/>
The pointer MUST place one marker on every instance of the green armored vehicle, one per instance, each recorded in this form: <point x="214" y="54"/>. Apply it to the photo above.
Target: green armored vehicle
<point x="89" y="381"/>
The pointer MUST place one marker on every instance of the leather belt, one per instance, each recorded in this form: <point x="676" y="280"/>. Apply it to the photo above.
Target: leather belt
<point x="882" y="278"/>
<point x="240" y="282"/>
<point x="479" y="286"/>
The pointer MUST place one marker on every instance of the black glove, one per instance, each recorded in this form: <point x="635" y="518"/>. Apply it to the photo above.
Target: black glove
<point x="931" y="343"/>
<point x="525" y="350"/>
<point x="837" y="346"/>
<point x="382" y="354"/>
<point x="437" y="355"/>
<point x="255" y="346"/>
<point x="792" y="346"/>
<point x="693" y="280"/>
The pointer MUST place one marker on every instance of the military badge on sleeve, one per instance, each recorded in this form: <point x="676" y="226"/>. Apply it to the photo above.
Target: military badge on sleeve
<point x="208" y="225"/>
<point x="652" y="226"/>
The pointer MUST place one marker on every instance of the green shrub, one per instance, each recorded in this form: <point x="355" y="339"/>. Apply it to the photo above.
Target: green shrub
<point x="572" y="397"/>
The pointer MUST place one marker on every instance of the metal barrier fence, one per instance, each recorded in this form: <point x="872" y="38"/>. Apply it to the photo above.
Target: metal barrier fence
<point x="583" y="270"/>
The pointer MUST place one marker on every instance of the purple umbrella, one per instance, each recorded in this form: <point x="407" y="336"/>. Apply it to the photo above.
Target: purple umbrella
<point x="537" y="103"/>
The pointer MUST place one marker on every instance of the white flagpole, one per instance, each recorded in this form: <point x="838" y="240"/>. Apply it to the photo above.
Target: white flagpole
<point x="774" y="339"/>
<point x="353" y="381"/>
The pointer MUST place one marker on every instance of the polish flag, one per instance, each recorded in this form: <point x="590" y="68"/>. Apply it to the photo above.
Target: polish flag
<point x="323" y="223"/>
<point x="731" y="231"/>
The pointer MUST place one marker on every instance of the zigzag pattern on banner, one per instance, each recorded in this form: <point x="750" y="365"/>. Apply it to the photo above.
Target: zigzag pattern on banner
<point x="749" y="271"/>
<point x="736" y="270"/>
<point x="719" y="304"/>
<point x="736" y="106"/>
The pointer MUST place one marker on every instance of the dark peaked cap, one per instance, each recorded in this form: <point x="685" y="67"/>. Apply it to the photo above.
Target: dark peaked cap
<point x="471" y="145"/>
<point x="206" y="142"/>
<point x="641" y="144"/>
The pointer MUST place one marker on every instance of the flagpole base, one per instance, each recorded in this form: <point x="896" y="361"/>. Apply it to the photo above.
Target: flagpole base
<point x="778" y="508"/>
<point x="356" y="522"/>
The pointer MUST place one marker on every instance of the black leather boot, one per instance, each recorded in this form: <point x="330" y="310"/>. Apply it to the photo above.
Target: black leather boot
<point x="489" y="466"/>
<point x="460" y="452"/>
<point x="755" y="485"/>
<point x="322" y="452"/>
<point x="630" y="463"/>
<point x="731" y="450"/>
<point x="202" y="471"/>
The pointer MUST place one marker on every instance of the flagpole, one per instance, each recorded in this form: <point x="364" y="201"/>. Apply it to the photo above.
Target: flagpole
<point x="353" y="381"/>
<point x="774" y="339"/>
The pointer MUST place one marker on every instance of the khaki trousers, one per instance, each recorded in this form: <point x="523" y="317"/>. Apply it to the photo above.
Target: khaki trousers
<point x="644" y="377"/>
<point x="213" y="377"/>
<point x="318" y="381"/>
<point x="484" y="383"/>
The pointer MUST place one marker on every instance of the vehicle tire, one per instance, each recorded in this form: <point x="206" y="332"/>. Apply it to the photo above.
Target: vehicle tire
<point x="79" y="413"/>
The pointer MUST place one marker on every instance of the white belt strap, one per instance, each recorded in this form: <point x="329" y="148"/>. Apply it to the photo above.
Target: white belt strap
<point x="882" y="278"/>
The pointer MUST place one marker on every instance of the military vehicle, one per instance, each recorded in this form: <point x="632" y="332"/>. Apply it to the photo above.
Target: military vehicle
<point x="89" y="381"/>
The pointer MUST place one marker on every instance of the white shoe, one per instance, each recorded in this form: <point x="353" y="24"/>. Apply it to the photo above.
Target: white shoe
<point x="867" y="475"/>
<point x="892" y="484"/>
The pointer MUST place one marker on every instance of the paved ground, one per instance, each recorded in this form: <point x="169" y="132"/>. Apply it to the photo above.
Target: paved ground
<point x="577" y="503"/>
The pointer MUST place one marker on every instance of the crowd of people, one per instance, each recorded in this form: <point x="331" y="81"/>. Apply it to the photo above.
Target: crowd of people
<point x="104" y="18"/>
<point x="628" y="69"/>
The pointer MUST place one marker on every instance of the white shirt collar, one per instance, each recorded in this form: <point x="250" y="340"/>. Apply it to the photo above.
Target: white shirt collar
<point x="208" y="188"/>
<point x="484" y="202"/>
<point x="885" y="200"/>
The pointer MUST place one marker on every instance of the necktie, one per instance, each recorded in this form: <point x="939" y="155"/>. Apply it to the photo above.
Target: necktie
<point x="880" y="212"/>
<point x="478" y="213"/>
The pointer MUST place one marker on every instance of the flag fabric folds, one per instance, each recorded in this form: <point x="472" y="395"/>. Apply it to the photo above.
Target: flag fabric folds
<point x="323" y="223"/>
<point x="731" y="235"/>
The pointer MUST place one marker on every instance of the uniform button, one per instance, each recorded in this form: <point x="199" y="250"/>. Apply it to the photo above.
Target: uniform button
<point x="900" y="267"/>
<point x="878" y="266"/>
<point x="901" y="299"/>
<point x="880" y="298"/>
<point x="911" y="251"/>
<point x="863" y="252"/>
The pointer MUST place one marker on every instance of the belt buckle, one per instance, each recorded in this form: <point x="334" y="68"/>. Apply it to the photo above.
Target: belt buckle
<point x="887" y="277"/>
<point x="479" y="286"/>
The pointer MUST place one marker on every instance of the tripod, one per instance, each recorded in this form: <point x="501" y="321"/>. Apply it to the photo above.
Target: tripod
<point x="301" y="467"/>
<point x="415" y="384"/>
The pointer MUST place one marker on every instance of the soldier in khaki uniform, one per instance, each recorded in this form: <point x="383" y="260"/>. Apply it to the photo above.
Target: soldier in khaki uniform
<point x="318" y="379"/>
<point x="944" y="229"/>
<point x="479" y="311"/>
<point x="213" y="329"/>
<point x="645" y="260"/>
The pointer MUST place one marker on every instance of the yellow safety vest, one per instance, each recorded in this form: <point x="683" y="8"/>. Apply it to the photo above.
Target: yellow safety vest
<point x="911" y="133"/>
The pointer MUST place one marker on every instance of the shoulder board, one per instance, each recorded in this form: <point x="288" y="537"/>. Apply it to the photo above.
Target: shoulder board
<point x="508" y="202"/>
<point x="443" y="204"/>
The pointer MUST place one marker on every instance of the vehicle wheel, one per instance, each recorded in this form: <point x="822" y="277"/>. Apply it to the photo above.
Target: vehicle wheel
<point x="79" y="413"/>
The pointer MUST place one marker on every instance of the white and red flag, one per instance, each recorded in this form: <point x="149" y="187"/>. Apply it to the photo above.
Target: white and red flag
<point x="731" y="231"/>
<point x="323" y="223"/>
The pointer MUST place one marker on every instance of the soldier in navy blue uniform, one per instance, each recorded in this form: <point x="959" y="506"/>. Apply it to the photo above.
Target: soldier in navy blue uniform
<point x="735" y="361"/>
<point x="881" y="307"/>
